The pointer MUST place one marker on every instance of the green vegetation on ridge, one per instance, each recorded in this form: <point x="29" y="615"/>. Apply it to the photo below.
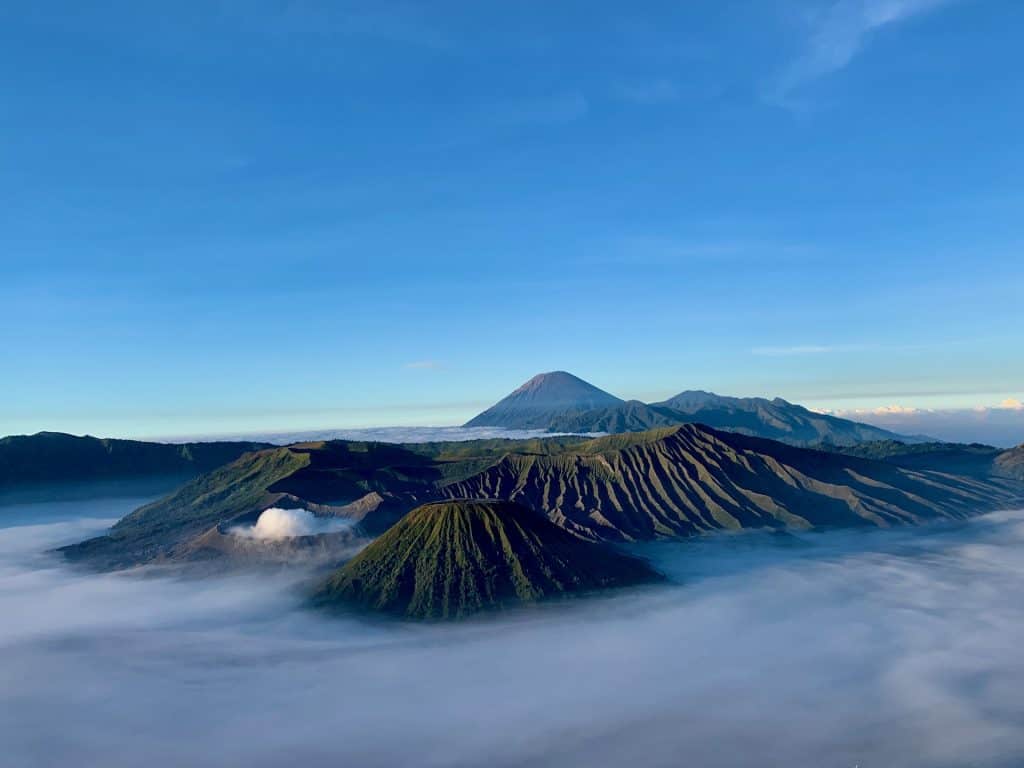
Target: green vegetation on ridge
<point x="676" y="481"/>
<point x="448" y="560"/>
<point x="54" y="458"/>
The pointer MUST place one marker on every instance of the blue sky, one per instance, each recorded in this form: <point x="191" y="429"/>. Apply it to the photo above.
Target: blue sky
<point x="222" y="216"/>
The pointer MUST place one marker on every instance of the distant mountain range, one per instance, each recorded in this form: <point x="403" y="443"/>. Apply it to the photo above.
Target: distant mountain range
<point x="972" y="459"/>
<point x="561" y="402"/>
<point x="55" y="458"/>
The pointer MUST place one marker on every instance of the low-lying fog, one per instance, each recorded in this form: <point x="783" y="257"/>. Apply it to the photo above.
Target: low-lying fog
<point x="891" y="649"/>
<point x="384" y="434"/>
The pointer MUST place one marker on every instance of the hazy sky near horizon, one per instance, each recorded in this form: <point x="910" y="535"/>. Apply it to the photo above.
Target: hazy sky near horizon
<point x="224" y="216"/>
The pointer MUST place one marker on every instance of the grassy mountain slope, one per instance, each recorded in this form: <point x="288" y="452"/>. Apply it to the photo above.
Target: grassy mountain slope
<point x="152" y="531"/>
<point x="674" y="481"/>
<point x="959" y="458"/>
<point x="1011" y="463"/>
<point x="684" y="480"/>
<point x="447" y="560"/>
<point x="338" y="476"/>
<point x="631" y="416"/>
<point x="974" y="459"/>
<point x="53" y="458"/>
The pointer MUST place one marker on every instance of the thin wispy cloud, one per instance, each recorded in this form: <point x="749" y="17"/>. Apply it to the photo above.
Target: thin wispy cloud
<point x="799" y="349"/>
<point x="424" y="365"/>
<point x="666" y="250"/>
<point x="836" y="35"/>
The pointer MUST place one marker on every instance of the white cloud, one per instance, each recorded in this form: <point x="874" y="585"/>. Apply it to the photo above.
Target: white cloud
<point x="800" y="349"/>
<point x="837" y="34"/>
<point x="276" y="523"/>
<point x="424" y="365"/>
<point x="884" y="410"/>
<point x="1001" y="425"/>
<point x="900" y="409"/>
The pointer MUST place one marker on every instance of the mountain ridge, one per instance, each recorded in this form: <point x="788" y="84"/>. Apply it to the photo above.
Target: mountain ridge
<point x="58" y="458"/>
<point x="690" y="479"/>
<point x="672" y="482"/>
<point x="774" y="418"/>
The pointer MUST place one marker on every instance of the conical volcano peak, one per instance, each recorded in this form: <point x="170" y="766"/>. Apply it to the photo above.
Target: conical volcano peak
<point x="449" y="559"/>
<point x="562" y="386"/>
<point x="542" y="399"/>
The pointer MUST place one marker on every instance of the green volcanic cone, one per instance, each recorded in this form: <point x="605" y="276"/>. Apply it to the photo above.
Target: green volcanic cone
<point x="451" y="559"/>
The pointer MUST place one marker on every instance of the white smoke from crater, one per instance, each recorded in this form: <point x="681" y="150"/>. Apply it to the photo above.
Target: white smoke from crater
<point x="276" y="523"/>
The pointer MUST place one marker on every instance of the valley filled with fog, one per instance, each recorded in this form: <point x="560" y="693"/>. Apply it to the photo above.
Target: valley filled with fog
<point x="894" y="648"/>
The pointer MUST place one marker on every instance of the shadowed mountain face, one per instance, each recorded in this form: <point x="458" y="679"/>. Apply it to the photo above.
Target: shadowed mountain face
<point x="1011" y="463"/>
<point x="54" y="458"/>
<point x="372" y="484"/>
<point x="664" y="483"/>
<point x="560" y="402"/>
<point x="689" y="479"/>
<point x="775" y="419"/>
<point x="451" y="559"/>
<point x="974" y="459"/>
<point x="541" y="400"/>
<point x="631" y="416"/>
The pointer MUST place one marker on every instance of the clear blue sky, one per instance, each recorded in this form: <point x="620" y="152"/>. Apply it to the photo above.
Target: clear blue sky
<point x="220" y="216"/>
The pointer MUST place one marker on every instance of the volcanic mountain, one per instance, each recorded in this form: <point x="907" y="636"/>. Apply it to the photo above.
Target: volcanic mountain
<point x="451" y="559"/>
<point x="561" y="402"/>
<point x="776" y="419"/>
<point x="689" y="479"/>
<point x="542" y="400"/>
<point x="672" y="482"/>
<point x="1011" y="463"/>
<point x="55" y="458"/>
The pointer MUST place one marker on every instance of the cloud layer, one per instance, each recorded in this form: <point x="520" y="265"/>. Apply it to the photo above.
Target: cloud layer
<point x="895" y="648"/>
<point x="1002" y="425"/>
<point x="384" y="434"/>
<point x="836" y="34"/>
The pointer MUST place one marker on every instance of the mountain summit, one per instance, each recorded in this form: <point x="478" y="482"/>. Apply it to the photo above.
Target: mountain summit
<point x="776" y="419"/>
<point x="450" y="559"/>
<point x="544" y="399"/>
<point x="561" y="402"/>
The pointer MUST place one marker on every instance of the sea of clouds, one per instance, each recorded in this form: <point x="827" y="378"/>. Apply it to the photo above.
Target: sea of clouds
<point x="1001" y="426"/>
<point x="382" y="434"/>
<point x="890" y="648"/>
